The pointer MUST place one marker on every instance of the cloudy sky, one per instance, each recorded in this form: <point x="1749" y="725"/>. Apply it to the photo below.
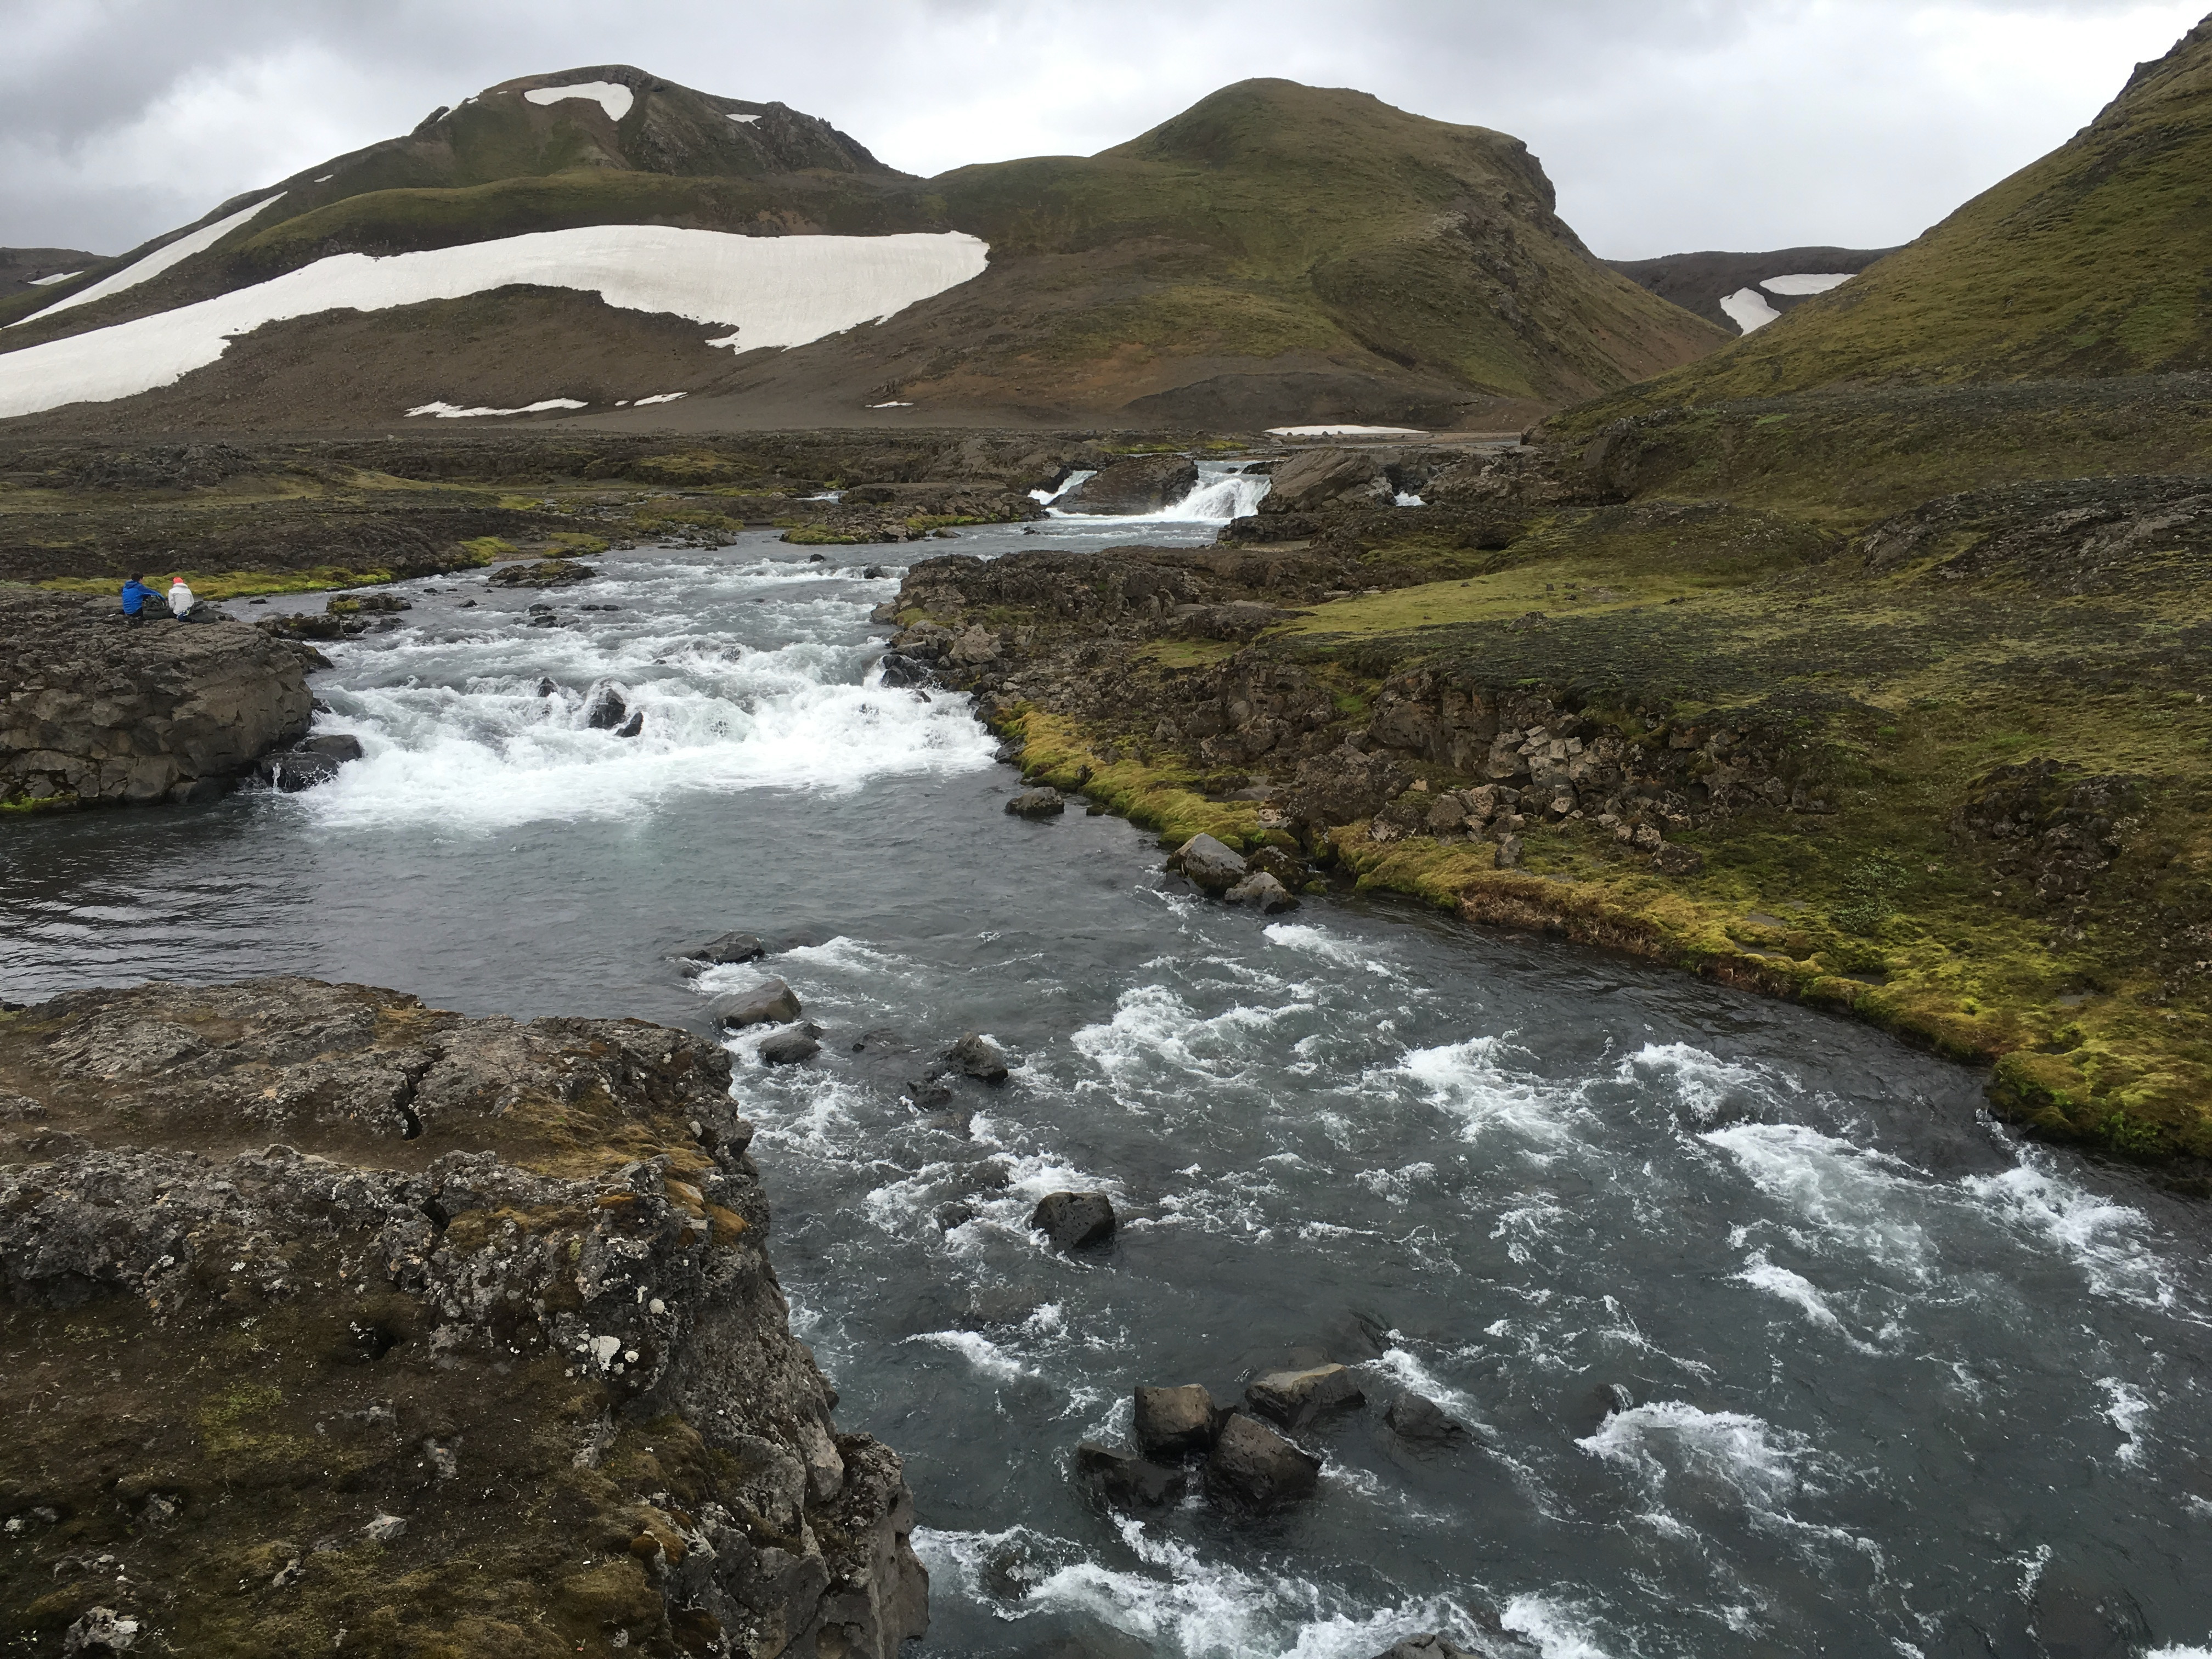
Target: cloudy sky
<point x="1668" y="124"/>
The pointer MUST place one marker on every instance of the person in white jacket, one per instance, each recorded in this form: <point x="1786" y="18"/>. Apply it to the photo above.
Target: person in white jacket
<point x="180" y="599"/>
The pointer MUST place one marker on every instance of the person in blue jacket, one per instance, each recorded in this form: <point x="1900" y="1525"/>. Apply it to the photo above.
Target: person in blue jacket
<point x="135" y="595"/>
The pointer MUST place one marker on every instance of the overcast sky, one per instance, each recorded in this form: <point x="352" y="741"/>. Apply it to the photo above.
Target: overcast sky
<point x="1667" y="125"/>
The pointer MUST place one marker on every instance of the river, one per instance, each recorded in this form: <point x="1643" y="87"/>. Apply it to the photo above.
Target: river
<point x="1768" y="1340"/>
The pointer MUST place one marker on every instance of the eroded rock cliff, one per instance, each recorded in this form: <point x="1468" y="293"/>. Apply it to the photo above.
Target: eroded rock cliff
<point x="98" y="712"/>
<point x="333" y="1322"/>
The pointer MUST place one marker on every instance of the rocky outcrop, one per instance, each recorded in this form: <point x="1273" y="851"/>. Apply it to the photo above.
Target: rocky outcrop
<point x="333" y="1320"/>
<point x="98" y="712"/>
<point x="1141" y="483"/>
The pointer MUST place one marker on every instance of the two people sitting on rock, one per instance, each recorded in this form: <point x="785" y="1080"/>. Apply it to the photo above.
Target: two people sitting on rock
<point x="135" y="595"/>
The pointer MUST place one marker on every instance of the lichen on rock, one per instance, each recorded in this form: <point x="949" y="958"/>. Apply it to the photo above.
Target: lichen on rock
<point x="326" y="1312"/>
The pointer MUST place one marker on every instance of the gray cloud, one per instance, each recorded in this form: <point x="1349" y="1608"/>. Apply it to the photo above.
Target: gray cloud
<point x="1666" y="124"/>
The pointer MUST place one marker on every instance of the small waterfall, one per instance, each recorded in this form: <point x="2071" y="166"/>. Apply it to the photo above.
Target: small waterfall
<point x="1223" y="492"/>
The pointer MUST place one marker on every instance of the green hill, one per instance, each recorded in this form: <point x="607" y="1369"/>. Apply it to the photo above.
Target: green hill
<point x="2091" y="262"/>
<point x="1277" y="252"/>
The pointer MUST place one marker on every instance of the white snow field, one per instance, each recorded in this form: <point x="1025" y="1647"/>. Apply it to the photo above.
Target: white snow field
<point x="747" y="119"/>
<point x="771" y="290"/>
<point x="155" y="263"/>
<point x="1748" y="308"/>
<point x="1806" y="282"/>
<point x="614" y="99"/>
<point x="1347" y="432"/>
<point x="59" y="277"/>
<point x="660" y="397"/>
<point x="455" y="412"/>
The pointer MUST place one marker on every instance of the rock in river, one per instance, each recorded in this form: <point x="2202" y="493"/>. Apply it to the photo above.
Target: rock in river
<point x="771" y="1002"/>
<point x="98" y="712"/>
<point x="1126" y="1480"/>
<point x="1417" y="1417"/>
<point x="545" y="573"/>
<point x="729" y="947"/>
<point x="1175" y="1422"/>
<point x="1255" y="1467"/>
<point x="1142" y="483"/>
<point x="1209" y="864"/>
<point x="474" y="1255"/>
<point x="1294" y="1399"/>
<point x="976" y="1055"/>
<point x="1038" y="803"/>
<point x="1072" y="1220"/>
<point x="789" y="1048"/>
<point x="1262" y="891"/>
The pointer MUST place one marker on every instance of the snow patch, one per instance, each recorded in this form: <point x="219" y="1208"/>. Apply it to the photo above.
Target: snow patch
<point x="662" y="398"/>
<point x="891" y="405"/>
<point x="1806" y="282"/>
<point x="59" y="277"/>
<point x="171" y="253"/>
<point x="747" y="119"/>
<point x="455" y="412"/>
<point x="1748" y="308"/>
<point x="1347" y="432"/>
<point x="609" y="95"/>
<point x="326" y="178"/>
<point x="773" y="290"/>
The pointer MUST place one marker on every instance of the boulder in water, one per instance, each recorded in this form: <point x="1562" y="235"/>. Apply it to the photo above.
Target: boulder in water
<point x="1141" y="483"/>
<point x="1253" y="1467"/>
<point x="789" y="1048"/>
<point x="729" y="947"/>
<point x="901" y="670"/>
<point x="1263" y="892"/>
<point x="1209" y="864"/>
<point x="1295" y="1398"/>
<point x="1074" y="1220"/>
<point x="294" y="769"/>
<point x="632" y="726"/>
<point x="976" y="1055"/>
<point x="1038" y="803"/>
<point x="338" y="745"/>
<point x="1176" y="1422"/>
<point x="769" y="1003"/>
<point x="1126" y="1480"/>
<point x="1417" y="1417"/>
<point x="1433" y="1645"/>
<point x="545" y="573"/>
<point x="606" y="710"/>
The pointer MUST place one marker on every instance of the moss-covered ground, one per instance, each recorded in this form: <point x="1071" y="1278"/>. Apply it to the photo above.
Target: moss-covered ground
<point x="1900" y="692"/>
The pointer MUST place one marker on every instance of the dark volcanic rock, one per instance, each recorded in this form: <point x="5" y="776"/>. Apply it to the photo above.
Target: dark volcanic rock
<point x="1038" y="803"/>
<point x="606" y="710"/>
<point x="1262" y="891"/>
<point x="1142" y="483"/>
<point x="729" y="947"/>
<point x="1416" y="1417"/>
<point x="294" y="769"/>
<point x="976" y="1055"/>
<point x="1175" y="1422"/>
<point x="1317" y="478"/>
<point x="771" y="1002"/>
<point x="1253" y="1467"/>
<point x="789" y="1048"/>
<point x="1295" y="1398"/>
<point x="474" y="1254"/>
<point x="95" y="711"/>
<point x="1128" y="1479"/>
<point x="546" y="573"/>
<point x="1073" y="1220"/>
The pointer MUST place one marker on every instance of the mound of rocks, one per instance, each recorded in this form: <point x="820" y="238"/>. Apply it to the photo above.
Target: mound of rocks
<point x="98" y="712"/>
<point x="346" y="1315"/>
<point x="1141" y="483"/>
<point x="544" y="573"/>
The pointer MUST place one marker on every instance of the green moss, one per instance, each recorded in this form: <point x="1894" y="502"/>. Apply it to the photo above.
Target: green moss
<point x="239" y="584"/>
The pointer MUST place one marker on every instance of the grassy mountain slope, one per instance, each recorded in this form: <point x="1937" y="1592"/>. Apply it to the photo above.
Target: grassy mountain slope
<point x="2093" y="261"/>
<point x="1276" y="252"/>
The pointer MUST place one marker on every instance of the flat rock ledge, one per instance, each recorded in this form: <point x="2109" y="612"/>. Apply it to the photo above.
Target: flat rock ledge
<point x="98" y="712"/>
<point x="330" y="1322"/>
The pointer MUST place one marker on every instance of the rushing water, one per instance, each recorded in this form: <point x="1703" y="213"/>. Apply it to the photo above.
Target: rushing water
<point x="1771" y="1343"/>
